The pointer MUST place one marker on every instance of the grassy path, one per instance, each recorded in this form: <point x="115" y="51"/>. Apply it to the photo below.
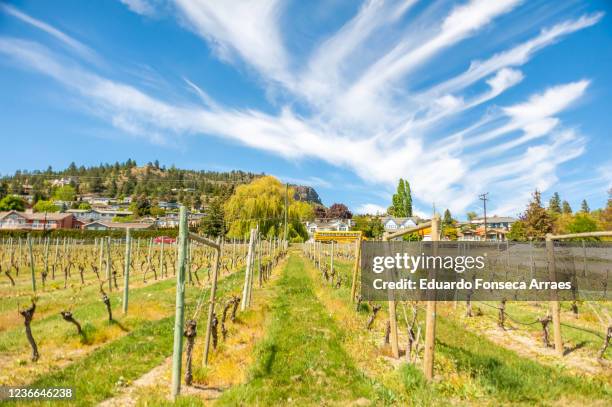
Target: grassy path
<point x="99" y="375"/>
<point x="301" y="361"/>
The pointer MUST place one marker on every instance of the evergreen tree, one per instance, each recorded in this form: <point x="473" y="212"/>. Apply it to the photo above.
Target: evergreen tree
<point x="402" y="200"/>
<point x="447" y="220"/>
<point x="213" y="224"/>
<point x="566" y="208"/>
<point x="606" y="214"/>
<point x="471" y="215"/>
<point x="537" y="220"/>
<point x="584" y="207"/>
<point x="554" y="205"/>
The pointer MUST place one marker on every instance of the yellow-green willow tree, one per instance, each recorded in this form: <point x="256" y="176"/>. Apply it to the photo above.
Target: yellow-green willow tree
<point x="262" y="202"/>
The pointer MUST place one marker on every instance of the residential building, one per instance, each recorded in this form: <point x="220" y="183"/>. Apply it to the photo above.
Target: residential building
<point x="168" y="205"/>
<point x="90" y="215"/>
<point x="477" y="234"/>
<point x="494" y="222"/>
<point x="35" y="221"/>
<point x="104" y="225"/>
<point x="392" y="224"/>
<point x="339" y="225"/>
<point x="63" y="181"/>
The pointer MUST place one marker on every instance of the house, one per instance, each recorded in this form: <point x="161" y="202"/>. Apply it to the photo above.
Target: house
<point x="339" y="225"/>
<point x="494" y="222"/>
<point x="63" y="181"/>
<point x="169" y="221"/>
<point x="168" y="205"/>
<point x="392" y="224"/>
<point x="478" y="234"/>
<point x="14" y="220"/>
<point x="90" y="215"/>
<point x="104" y="225"/>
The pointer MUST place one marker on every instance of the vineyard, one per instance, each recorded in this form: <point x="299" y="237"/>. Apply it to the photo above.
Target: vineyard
<point x="269" y="324"/>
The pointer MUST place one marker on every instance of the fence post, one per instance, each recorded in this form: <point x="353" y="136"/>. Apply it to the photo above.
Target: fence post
<point x="331" y="261"/>
<point x="245" y="290"/>
<point x="430" y="316"/>
<point x="554" y="299"/>
<point x="392" y="320"/>
<point x="211" y="306"/>
<point x="356" y="268"/>
<point x="161" y="258"/>
<point x="126" y="272"/>
<point x="32" y="263"/>
<point x="180" y="305"/>
<point x="108" y="262"/>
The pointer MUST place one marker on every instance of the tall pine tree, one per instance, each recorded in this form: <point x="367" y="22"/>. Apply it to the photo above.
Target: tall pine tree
<point x="402" y="200"/>
<point x="566" y="208"/>
<point x="537" y="220"/>
<point x="554" y="205"/>
<point x="584" y="206"/>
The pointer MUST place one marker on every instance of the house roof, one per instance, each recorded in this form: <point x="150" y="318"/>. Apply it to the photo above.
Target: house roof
<point x="121" y="225"/>
<point x="38" y="215"/>
<point x="495" y="219"/>
<point x="400" y="220"/>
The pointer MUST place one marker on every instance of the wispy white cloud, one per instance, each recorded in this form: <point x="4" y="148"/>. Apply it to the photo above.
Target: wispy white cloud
<point x="143" y="7"/>
<point x="77" y="46"/>
<point x="358" y="117"/>
<point x="248" y="28"/>
<point x="370" y="209"/>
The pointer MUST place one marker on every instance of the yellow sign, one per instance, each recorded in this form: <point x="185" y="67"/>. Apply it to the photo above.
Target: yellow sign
<point x="337" y="236"/>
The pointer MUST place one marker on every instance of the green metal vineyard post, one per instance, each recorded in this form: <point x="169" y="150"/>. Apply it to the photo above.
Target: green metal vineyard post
<point x="32" y="263"/>
<point x="180" y="304"/>
<point x="126" y="273"/>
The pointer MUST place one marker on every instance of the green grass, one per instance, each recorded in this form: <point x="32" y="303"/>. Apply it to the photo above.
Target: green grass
<point x="302" y="360"/>
<point x="94" y="377"/>
<point x="500" y="375"/>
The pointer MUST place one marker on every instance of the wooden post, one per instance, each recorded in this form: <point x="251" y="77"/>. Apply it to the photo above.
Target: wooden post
<point x="430" y="316"/>
<point x="180" y="305"/>
<point x="108" y="263"/>
<point x="32" y="263"/>
<point x="331" y="262"/>
<point x="245" y="290"/>
<point x="252" y="273"/>
<point x="161" y="258"/>
<point x="356" y="268"/>
<point x="211" y="306"/>
<point x="554" y="299"/>
<point x="392" y="319"/>
<point x="126" y="272"/>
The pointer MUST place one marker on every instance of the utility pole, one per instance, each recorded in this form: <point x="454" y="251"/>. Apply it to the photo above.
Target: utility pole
<point x="484" y="198"/>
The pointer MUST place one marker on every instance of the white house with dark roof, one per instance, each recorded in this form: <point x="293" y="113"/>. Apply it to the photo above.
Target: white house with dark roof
<point x="494" y="222"/>
<point x="90" y="215"/>
<point x="391" y="223"/>
<point x="338" y="225"/>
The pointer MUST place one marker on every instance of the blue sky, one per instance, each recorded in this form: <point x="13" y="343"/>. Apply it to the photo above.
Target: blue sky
<point x="458" y="97"/>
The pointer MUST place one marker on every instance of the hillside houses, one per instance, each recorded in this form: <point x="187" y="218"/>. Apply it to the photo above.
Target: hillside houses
<point x="14" y="220"/>
<point x="338" y="225"/>
<point x="497" y="229"/>
<point x="105" y="225"/>
<point x="392" y="224"/>
<point x="90" y="215"/>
